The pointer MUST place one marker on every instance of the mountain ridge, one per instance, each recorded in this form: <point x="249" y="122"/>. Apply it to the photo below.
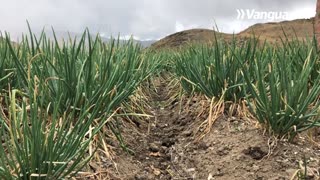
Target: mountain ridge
<point x="271" y="32"/>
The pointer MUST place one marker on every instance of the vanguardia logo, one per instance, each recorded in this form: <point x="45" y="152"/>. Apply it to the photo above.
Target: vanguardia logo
<point x="252" y="14"/>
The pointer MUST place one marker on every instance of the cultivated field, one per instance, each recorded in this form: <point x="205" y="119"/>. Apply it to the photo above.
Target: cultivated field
<point x="231" y="109"/>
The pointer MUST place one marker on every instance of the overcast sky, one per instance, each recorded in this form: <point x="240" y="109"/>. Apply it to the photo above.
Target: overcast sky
<point x="145" y="19"/>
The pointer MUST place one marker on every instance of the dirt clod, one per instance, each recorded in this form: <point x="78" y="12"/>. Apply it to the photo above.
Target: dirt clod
<point x="154" y="147"/>
<point x="255" y="152"/>
<point x="168" y="142"/>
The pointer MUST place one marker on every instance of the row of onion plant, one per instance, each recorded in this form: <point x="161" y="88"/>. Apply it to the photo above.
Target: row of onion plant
<point x="61" y="94"/>
<point x="279" y="83"/>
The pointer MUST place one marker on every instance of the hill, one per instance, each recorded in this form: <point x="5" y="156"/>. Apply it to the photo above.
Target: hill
<point x="300" y="28"/>
<point x="272" y="32"/>
<point x="193" y="35"/>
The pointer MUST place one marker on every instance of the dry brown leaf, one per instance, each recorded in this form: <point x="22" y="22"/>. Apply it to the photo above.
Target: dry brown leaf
<point x="156" y="154"/>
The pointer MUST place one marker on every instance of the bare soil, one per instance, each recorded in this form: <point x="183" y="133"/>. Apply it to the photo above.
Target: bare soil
<point x="166" y="146"/>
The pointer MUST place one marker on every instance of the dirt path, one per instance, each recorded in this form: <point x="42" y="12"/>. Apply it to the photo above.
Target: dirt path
<point x="158" y="155"/>
<point x="157" y="143"/>
<point x="165" y="146"/>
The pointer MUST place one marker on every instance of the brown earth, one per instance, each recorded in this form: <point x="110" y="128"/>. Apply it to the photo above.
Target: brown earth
<point x="272" y="32"/>
<point x="166" y="146"/>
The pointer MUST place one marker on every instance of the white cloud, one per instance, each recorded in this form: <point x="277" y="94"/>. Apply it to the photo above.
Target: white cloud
<point x="302" y="12"/>
<point x="144" y="18"/>
<point x="179" y="27"/>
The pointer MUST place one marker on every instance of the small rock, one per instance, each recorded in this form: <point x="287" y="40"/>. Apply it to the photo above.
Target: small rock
<point x="255" y="168"/>
<point x="203" y="146"/>
<point x="239" y="158"/>
<point x="255" y="153"/>
<point x="194" y="152"/>
<point x="141" y="177"/>
<point x="154" y="147"/>
<point x="219" y="173"/>
<point x="191" y="170"/>
<point x="187" y="133"/>
<point x="223" y="151"/>
<point x="156" y="171"/>
<point x="162" y="125"/>
<point x="267" y="168"/>
<point x="164" y="149"/>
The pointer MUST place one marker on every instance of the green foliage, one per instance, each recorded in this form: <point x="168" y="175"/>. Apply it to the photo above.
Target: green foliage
<point x="59" y="89"/>
<point x="281" y="83"/>
<point x="215" y="69"/>
<point x="284" y="98"/>
<point x="41" y="145"/>
<point x="6" y="65"/>
<point x="81" y="73"/>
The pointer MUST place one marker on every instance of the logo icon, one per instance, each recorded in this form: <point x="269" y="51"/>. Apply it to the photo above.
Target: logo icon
<point x="252" y="14"/>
